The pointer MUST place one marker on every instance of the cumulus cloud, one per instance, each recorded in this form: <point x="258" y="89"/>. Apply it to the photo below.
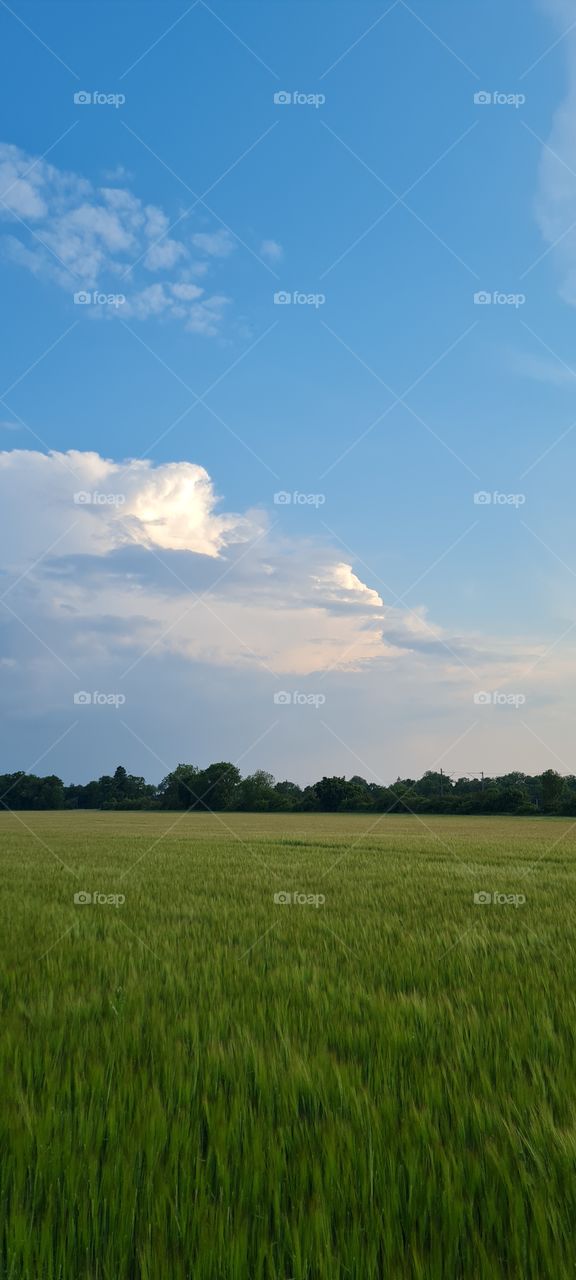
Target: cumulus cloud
<point x="93" y="506"/>
<point x="131" y="576"/>
<point x="340" y="583"/>
<point x="164" y="254"/>
<point x="62" y="228"/>
<point x="86" y="538"/>
<point x="217" y="244"/>
<point x="141" y="556"/>
<point x="182" y="301"/>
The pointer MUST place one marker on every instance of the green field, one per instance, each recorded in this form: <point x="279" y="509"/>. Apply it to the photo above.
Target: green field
<point x="201" y="1084"/>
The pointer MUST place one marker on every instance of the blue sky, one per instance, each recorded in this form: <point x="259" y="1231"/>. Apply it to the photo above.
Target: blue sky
<point x="188" y="397"/>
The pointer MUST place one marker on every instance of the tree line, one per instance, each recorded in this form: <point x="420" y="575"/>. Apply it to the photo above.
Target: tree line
<point x="221" y="786"/>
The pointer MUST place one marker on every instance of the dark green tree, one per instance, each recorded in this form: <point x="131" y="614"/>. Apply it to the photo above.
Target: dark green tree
<point x="217" y="787"/>
<point x="256" y="793"/>
<point x="552" y="787"/>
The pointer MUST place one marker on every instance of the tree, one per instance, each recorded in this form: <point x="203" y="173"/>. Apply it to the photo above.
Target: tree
<point x="217" y="787"/>
<point x="331" y="793"/>
<point x="552" y="787"/>
<point x="9" y="785"/>
<point x="220" y="786"/>
<point x="357" y="798"/>
<point x="309" y="802"/>
<point x="256" y="793"/>
<point x="381" y="798"/>
<point x="433" y="784"/>
<point x="288" y="795"/>
<point x="26" y="791"/>
<point x="178" y="789"/>
<point x="402" y="791"/>
<point x="50" y="793"/>
<point x="130" y="787"/>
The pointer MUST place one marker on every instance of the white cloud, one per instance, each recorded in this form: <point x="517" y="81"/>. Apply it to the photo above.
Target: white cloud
<point x="556" y="204"/>
<point x="205" y="317"/>
<point x="157" y="223"/>
<point x="118" y="174"/>
<point x="217" y="244"/>
<point x="562" y="10"/>
<point x="295" y="607"/>
<point x="21" y="184"/>
<point x="152" y="301"/>
<point x="271" y="250"/>
<point x="165" y="254"/>
<point x="64" y="229"/>
<point x="187" y="292"/>
<point x="171" y="506"/>
<point x="340" y="583"/>
<point x="184" y="301"/>
<point x="130" y="562"/>
<point x="200" y="615"/>
<point x="543" y="369"/>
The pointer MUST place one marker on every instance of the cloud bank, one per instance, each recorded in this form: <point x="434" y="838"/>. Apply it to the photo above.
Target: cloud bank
<point x="131" y="577"/>
<point x="143" y="555"/>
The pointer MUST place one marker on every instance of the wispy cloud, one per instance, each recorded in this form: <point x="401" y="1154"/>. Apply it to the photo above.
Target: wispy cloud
<point x="271" y="250"/>
<point x="63" y="228"/>
<point x="218" y="244"/>
<point x="556" y="203"/>
<point x="543" y="369"/>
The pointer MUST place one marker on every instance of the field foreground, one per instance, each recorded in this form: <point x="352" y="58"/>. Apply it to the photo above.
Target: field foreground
<point x="374" y="1080"/>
